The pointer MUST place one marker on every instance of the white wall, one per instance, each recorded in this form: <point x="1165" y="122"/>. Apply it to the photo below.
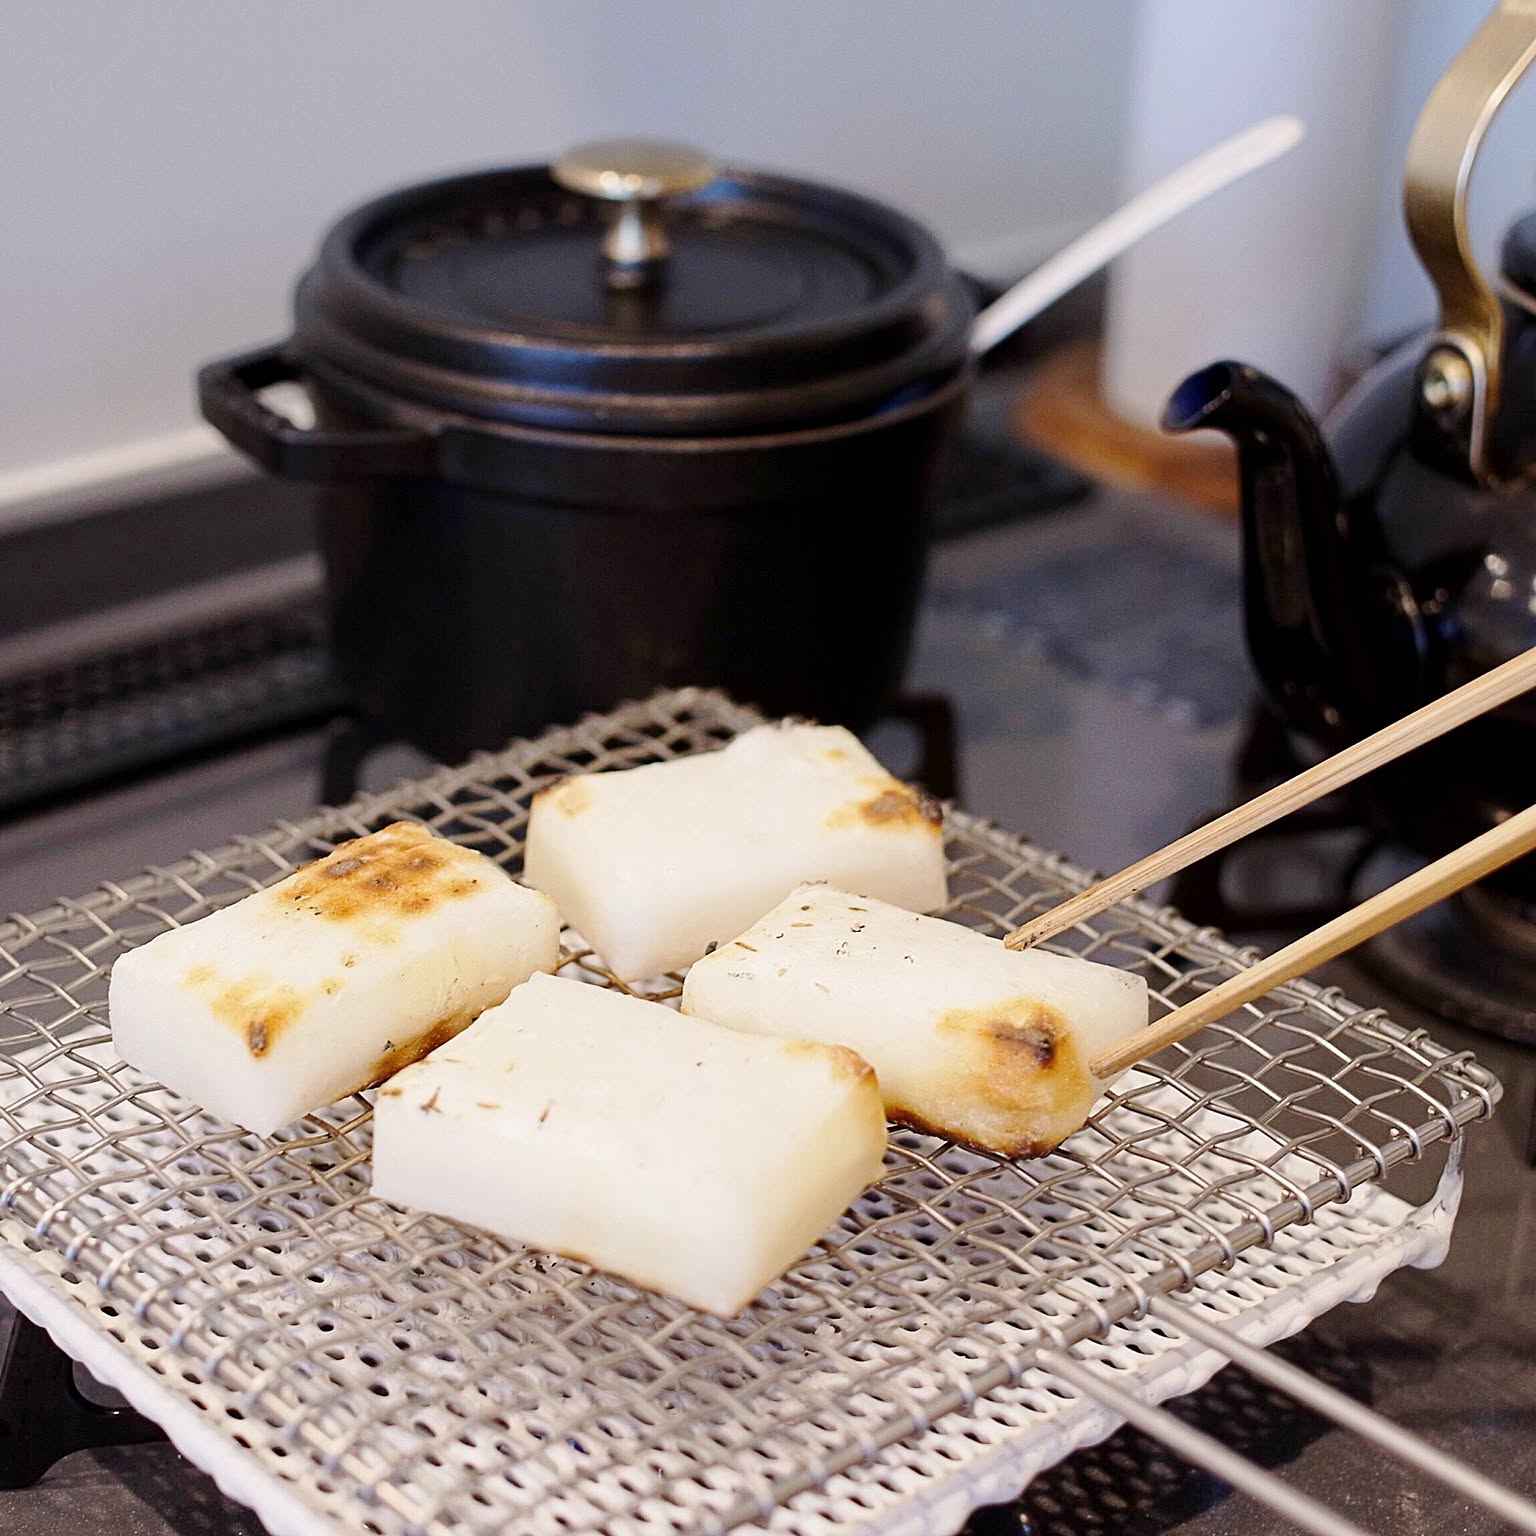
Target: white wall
<point x="1272" y="270"/>
<point x="1399" y="298"/>
<point x="166" y="166"/>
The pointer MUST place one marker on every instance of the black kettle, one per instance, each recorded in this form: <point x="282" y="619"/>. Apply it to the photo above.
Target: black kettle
<point x="1397" y="560"/>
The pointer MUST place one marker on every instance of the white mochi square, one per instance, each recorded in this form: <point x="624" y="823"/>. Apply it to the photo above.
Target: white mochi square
<point x="651" y="865"/>
<point x="330" y="980"/>
<point x="969" y="1039"/>
<point x="688" y="1158"/>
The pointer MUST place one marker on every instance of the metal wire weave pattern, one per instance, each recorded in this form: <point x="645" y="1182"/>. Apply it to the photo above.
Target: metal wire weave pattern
<point x="417" y="1377"/>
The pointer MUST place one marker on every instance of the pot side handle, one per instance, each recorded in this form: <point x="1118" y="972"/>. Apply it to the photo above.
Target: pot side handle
<point x="228" y="392"/>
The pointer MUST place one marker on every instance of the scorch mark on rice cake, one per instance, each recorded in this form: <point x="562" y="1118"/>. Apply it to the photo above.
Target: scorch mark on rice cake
<point x="398" y="1057"/>
<point x="569" y="794"/>
<point x="842" y="1061"/>
<point x="890" y="805"/>
<point x="1025" y="1062"/>
<point x="258" y="1006"/>
<point x="260" y="1009"/>
<point x="1019" y="1034"/>
<point x="399" y="871"/>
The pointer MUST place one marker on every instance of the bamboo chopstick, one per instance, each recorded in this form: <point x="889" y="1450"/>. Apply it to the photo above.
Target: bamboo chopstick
<point x="1483" y="693"/>
<point x="1470" y="862"/>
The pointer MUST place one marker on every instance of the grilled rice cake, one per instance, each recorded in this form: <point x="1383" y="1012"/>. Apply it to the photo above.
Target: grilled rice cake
<point x="969" y="1039"/>
<point x="692" y="1159"/>
<point x="332" y="979"/>
<point x="651" y="865"/>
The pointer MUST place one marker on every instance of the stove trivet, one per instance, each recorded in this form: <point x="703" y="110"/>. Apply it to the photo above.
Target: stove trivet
<point x="1470" y="959"/>
<point x="147" y="706"/>
<point x="353" y="739"/>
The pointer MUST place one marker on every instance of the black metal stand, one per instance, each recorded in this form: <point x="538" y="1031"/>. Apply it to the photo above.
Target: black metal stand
<point x="1264" y="757"/>
<point x="348" y="745"/>
<point x="43" y="1413"/>
<point x="932" y="716"/>
<point x="352" y="740"/>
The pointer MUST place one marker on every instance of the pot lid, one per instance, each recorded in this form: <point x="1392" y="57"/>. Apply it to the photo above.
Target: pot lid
<point x="632" y="288"/>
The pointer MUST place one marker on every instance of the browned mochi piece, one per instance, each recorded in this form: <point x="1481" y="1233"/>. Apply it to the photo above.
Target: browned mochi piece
<point x="1014" y="1065"/>
<point x="969" y="1039"/>
<point x="332" y="979"/>
<point x="400" y="871"/>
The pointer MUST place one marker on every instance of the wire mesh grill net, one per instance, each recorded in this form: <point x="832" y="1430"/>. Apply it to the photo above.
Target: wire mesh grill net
<point x="419" y="1376"/>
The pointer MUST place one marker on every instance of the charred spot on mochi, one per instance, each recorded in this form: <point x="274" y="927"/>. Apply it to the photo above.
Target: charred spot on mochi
<point x="842" y="1060"/>
<point x="1036" y="1040"/>
<point x="1016" y="1024"/>
<point x="397" y="1057"/>
<point x="256" y="1005"/>
<point x="1019" y="1075"/>
<point x="569" y="794"/>
<point x="391" y="1093"/>
<point x="889" y="806"/>
<point x="401" y="871"/>
<point x="330" y="986"/>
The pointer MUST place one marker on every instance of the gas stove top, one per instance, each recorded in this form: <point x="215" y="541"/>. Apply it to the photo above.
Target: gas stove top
<point x="1076" y="724"/>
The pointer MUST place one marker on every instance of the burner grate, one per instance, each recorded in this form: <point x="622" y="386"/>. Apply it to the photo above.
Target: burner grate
<point x="345" y="1365"/>
<point x="143" y="705"/>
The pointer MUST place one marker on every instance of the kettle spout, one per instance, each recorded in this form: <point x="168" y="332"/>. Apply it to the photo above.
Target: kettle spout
<point x="1256" y="412"/>
<point x="1301" y="572"/>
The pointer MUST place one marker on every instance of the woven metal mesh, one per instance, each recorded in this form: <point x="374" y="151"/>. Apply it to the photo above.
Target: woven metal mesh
<point x="412" y="1376"/>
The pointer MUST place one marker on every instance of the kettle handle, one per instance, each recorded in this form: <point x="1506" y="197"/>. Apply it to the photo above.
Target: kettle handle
<point x="228" y="393"/>
<point x="1457" y="392"/>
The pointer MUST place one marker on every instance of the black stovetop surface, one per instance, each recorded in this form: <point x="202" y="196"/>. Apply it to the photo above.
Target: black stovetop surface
<point x="1101" y="724"/>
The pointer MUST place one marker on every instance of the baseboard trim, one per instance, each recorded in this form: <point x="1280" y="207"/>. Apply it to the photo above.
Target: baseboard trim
<point x="104" y="477"/>
<point x="197" y="455"/>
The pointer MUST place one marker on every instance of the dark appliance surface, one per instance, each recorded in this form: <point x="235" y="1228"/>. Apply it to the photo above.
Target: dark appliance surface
<point x="1095" y="722"/>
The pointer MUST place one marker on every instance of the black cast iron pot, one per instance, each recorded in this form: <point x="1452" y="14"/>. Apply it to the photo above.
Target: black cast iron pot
<point x="570" y="459"/>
